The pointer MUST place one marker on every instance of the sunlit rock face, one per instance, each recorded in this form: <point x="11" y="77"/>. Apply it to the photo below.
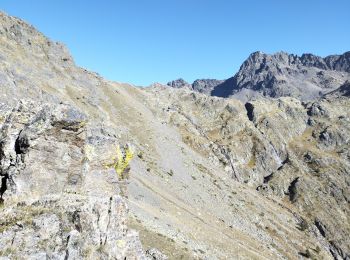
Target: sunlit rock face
<point x="281" y="74"/>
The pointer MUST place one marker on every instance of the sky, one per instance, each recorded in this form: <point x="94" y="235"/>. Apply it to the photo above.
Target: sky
<point x="147" y="41"/>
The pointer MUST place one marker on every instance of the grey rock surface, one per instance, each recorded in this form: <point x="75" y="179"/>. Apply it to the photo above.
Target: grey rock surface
<point x="179" y="83"/>
<point x="200" y="85"/>
<point x="155" y="254"/>
<point x="306" y="77"/>
<point x="343" y="90"/>
<point x="52" y="206"/>
<point x="205" y="85"/>
<point x="58" y="200"/>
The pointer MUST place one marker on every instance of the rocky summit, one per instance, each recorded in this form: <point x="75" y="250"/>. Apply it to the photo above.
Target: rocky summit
<point x="205" y="86"/>
<point x="306" y="77"/>
<point x="212" y="177"/>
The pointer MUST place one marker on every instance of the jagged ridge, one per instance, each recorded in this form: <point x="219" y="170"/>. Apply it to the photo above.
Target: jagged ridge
<point x="306" y="77"/>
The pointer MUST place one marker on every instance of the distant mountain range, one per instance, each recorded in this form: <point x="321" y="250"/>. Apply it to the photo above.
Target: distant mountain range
<point x="281" y="74"/>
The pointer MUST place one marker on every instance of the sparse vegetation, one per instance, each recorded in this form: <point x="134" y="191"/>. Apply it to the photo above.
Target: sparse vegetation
<point x="122" y="160"/>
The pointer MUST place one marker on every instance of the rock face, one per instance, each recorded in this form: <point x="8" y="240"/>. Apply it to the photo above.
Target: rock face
<point x="58" y="201"/>
<point x="214" y="178"/>
<point x="52" y="204"/>
<point x="179" y="83"/>
<point x="343" y="90"/>
<point x="306" y="77"/>
<point x="282" y="74"/>
<point x="205" y="85"/>
<point x="200" y="85"/>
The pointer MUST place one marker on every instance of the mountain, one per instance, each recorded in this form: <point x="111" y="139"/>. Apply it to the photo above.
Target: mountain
<point x="343" y="90"/>
<point x="212" y="177"/>
<point x="200" y="85"/>
<point x="306" y="77"/>
<point x="281" y="74"/>
<point x="179" y="83"/>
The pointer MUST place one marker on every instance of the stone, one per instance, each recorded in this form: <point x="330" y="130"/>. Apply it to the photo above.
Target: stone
<point x="155" y="254"/>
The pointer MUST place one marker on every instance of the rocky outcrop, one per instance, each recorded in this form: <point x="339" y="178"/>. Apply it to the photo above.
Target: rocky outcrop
<point x="57" y="198"/>
<point x="339" y="62"/>
<point x="52" y="206"/>
<point x="343" y="90"/>
<point x="205" y="85"/>
<point x="199" y="85"/>
<point x="306" y="77"/>
<point x="155" y="254"/>
<point x="278" y="75"/>
<point x="178" y="83"/>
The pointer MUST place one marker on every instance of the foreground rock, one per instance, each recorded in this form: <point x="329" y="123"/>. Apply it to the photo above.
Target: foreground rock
<point x="57" y="199"/>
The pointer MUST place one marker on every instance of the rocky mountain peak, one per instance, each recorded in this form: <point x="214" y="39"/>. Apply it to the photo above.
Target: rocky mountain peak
<point x="255" y="57"/>
<point x="178" y="83"/>
<point x="310" y="60"/>
<point x="200" y="85"/>
<point x="26" y="36"/>
<point x="339" y="62"/>
<point x="276" y="75"/>
<point x="281" y="74"/>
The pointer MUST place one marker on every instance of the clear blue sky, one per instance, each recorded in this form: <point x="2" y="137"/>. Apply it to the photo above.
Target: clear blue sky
<point x="145" y="41"/>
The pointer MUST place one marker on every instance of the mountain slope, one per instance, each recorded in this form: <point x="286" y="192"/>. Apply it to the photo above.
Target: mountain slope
<point x="57" y="200"/>
<point x="281" y="147"/>
<point x="213" y="178"/>
<point x="343" y="90"/>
